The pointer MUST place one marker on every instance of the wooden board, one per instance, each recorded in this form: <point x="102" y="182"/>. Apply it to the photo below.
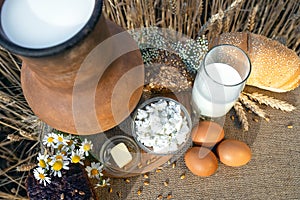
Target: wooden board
<point x="148" y="162"/>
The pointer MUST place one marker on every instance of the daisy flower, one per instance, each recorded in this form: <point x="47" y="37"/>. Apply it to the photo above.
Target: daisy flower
<point x="49" y="159"/>
<point x="59" y="156"/>
<point x="86" y="146"/>
<point x="71" y="142"/>
<point x="41" y="176"/>
<point x="103" y="183"/>
<point x="77" y="156"/>
<point x="58" y="165"/>
<point x="60" y="139"/>
<point x="94" y="171"/>
<point x="43" y="160"/>
<point x="49" y="140"/>
<point x="59" y="146"/>
<point x="63" y="149"/>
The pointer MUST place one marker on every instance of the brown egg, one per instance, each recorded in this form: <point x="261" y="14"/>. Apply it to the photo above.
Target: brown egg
<point x="201" y="161"/>
<point x="234" y="153"/>
<point x="207" y="133"/>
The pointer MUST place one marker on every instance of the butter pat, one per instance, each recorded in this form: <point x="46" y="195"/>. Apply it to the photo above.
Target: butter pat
<point x="121" y="155"/>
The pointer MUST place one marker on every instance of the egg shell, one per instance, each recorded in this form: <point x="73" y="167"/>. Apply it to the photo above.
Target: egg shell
<point x="201" y="161"/>
<point x="234" y="153"/>
<point x="207" y="133"/>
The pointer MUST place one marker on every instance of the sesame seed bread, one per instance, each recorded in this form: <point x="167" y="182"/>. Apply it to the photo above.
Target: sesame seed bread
<point x="274" y="66"/>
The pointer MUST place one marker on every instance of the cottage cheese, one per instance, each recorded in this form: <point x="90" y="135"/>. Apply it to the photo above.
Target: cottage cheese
<point x="161" y="126"/>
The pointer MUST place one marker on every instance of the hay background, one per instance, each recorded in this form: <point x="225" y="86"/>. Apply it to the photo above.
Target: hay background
<point x="273" y="172"/>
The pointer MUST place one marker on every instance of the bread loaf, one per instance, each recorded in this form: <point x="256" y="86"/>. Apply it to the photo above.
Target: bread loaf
<point x="274" y="66"/>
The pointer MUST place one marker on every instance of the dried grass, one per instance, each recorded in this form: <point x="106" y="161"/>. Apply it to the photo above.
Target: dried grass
<point x="277" y="19"/>
<point x="15" y="149"/>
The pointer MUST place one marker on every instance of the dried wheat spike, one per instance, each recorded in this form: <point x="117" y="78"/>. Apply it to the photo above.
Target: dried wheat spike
<point x="4" y="98"/>
<point x="173" y="6"/>
<point x="28" y="136"/>
<point x="252" y="106"/>
<point x="251" y="19"/>
<point x="226" y="23"/>
<point x="270" y="101"/>
<point x="26" y="167"/>
<point x="218" y="16"/>
<point x="240" y="112"/>
<point x="14" y="138"/>
<point x="217" y="27"/>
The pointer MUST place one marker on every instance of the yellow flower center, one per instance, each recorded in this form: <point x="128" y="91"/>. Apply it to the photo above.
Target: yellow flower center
<point x="75" y="159"/>
<point x="57" y="166"/>
<point x="42" y="176"/>
<point x="86" y="147"/>
<point x="49" y="160"/>
<point x="64" y="153"/>
<point x="42" y="164"/>
<point x="50" y="139"/>
<point x="94" y="172"/>
<point x="60" y="139"/>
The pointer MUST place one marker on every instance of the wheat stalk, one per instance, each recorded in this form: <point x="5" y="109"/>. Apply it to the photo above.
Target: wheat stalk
<point x="226" y="24"/>
<point x="12" y="197"/>
<point x="218" y="25"/>
<point x="173" y="6"/>
<point x="5" y="98"/>
<point x="240" y="112"/>
<point x="270" y="101"/>
<point x="15" y="114"/>
<point x="14" y="138"/>
<point x="26" y="167"/>
<point x="252" y="106"/>
<point x="272" y="18"/>
<point x="28" y="136"/>
<point x="251" y="20"/>
<point x="218" y="16"/>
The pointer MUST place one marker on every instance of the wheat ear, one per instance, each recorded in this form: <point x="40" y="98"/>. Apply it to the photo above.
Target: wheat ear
<point x="251" y="19"/>
<point x="271" y="101"/>
<point x="218" y="16"/>
<point x="252" y="106"/>
<point x="241" y="114"/>
<point x="26" y="167"/>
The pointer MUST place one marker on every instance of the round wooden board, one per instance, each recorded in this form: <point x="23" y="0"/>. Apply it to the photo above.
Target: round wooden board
<point x="148" y="162"/>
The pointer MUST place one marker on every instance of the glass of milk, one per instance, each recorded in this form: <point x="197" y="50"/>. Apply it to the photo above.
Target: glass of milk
<point x="220" y="80"/>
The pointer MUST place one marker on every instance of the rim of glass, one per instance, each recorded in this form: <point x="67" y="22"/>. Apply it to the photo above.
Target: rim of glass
<point x="155" y="99"/>
<point x="52" y="50"/>
<point x="233" y="46"/>
<point x="126" y="139"/>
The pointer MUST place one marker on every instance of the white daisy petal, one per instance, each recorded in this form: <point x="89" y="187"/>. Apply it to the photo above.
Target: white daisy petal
<point x="57" y="165"/>
<point x="43" y="161"/>
<point x="40" y="175"/>
<point x="60" y="139"/>
<point x="77" y="156"/>
<point x="86" y="146"/>
<point x="94" y="171"/>
<point x="49" y="140"/>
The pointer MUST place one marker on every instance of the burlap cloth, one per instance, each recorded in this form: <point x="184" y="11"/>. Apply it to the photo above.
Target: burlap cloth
<point x="273" y="172"/>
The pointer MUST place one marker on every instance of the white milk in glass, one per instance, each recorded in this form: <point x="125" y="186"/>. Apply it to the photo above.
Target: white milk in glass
<point x="214" y="95"/>
<point x="44" y="23"/>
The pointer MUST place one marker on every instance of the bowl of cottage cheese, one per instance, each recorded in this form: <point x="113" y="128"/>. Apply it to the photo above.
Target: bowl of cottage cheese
<point x="161" y="126"/>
